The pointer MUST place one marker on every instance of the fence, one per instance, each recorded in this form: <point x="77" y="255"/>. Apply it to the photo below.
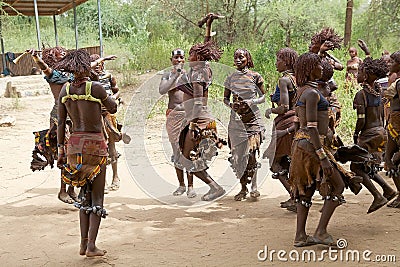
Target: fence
<point x="26" y="63"/>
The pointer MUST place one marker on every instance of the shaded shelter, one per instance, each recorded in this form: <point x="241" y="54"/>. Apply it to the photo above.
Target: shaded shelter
<point x="38" y="8"/>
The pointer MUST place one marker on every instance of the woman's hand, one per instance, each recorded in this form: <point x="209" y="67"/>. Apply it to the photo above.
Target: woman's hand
<point x="61" y="161"/>
<point x="327" y="167"/>
<point x="327" y="45"/>
<point x="363" y="45"/>
<point x="268" y="113"/>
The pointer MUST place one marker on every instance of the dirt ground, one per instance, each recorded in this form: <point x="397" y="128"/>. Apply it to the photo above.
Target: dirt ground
<point x="39" y="230"/>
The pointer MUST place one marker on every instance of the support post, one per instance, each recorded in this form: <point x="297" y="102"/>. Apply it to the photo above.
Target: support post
<point x="75" y="26"/>
<point x="55" y="29"/>
<point x="100" y="28"/>
<point x="37" y="23"/>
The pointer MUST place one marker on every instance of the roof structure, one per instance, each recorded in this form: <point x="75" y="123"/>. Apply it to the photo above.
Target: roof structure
<point x="45" y="7"/>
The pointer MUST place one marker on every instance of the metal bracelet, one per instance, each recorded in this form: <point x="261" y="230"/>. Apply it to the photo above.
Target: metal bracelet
<point x="321" y="153"/>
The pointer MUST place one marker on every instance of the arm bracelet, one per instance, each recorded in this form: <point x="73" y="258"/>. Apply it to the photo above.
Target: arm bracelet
<point x="36" y="58"/>
<point x="321" y="153"/>
<point x="60" y="150"/>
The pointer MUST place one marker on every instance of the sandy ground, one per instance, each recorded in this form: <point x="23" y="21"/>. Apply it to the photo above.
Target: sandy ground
<point x="39" y="230"/>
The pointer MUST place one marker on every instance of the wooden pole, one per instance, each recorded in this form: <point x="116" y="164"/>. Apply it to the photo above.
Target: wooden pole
<point x="55" y="29"/>
<point x="37" y="23"/>
<point x="75" y="26"/>
<point x="100" y="29"/>
<point x="348" y="22"/>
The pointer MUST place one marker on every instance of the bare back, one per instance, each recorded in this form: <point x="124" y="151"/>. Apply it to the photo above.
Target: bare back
<point x="86" y="114"/>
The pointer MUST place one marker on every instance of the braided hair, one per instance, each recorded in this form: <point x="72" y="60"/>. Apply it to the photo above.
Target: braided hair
<point x="303" y="67"/>
<point x="247" y="54"/>
<point x="76" y="62"/>
<point x="49" y="55"/>
<point x="288" y="56"/>
<point x="206" y="51"/>
<point x="327" y="34"/>
<point x="377" y="67"/>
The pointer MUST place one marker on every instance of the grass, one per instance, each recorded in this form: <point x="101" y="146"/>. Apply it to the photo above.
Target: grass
<point x="137" y="56"/>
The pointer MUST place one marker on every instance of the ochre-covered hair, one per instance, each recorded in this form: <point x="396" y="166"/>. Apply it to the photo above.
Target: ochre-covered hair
<point x="76" y="62"/>
<point x="327" y="70"/>
<point x="49" y="55"/>
<point x="206" y="51"/>
<point x="303" y="67"/>
<point x="396" y="57"/>
<point x="247" y="54"/>
<point x="327" y="34"/>
<point x="377" y="67"/>
<point x="287" y="55"/>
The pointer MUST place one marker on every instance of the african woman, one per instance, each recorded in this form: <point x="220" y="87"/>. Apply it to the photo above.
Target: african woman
<point x="245" y="129"/>
<point x="312" y="166"/>
<point x="393" y="127"/>
<point x="56" y="79"/>
<point x="198" y="140"/>
<point x="82" y="157"/>
<point x="369" y="132"/>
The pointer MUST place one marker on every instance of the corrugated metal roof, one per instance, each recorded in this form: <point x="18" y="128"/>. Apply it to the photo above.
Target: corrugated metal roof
<point x="45" y="7"/>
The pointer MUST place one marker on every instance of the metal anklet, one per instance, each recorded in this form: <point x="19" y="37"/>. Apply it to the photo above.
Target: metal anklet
<point x="305" y="203"/>
<point x="98" y="210"/>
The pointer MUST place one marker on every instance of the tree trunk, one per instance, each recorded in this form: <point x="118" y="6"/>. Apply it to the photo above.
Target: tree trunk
<point x="348" y="22"/>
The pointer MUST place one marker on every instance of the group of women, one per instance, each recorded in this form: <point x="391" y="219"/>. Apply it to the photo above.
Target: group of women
<point x="305" y="152"/>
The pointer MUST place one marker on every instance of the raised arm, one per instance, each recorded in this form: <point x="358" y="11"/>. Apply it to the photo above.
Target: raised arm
<point x="363" y="45"/>
<point x="42" y="65"/>
<point x="208" y="20"/>
<point x="102" y="59"/>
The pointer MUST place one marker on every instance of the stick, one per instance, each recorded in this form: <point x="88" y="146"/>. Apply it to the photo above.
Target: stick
<point x="17" y="59"/>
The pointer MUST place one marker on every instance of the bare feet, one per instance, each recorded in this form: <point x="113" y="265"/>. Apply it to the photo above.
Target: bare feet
<point x="395" y="203"/>
<point x="82" y="250"/>
<point x="114" y="185"/>
<point x="190" y="192"/>
<point x="390" y="194"/>
<point x="241" y="195"/>
<point x="255" y="194"/>
<point x="213" y="194"/>
<point x="95" y="252"/>
<point x="72" y="194"/>
<point x="64" y="197"/>
<point x="377" y="204"/>
<point x="179" y="191"/>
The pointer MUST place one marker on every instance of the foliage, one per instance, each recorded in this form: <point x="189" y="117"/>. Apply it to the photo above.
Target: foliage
<point x="143" y="32"/>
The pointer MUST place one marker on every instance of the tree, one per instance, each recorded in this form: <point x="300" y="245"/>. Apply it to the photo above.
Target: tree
<point x="348" y="22"/>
